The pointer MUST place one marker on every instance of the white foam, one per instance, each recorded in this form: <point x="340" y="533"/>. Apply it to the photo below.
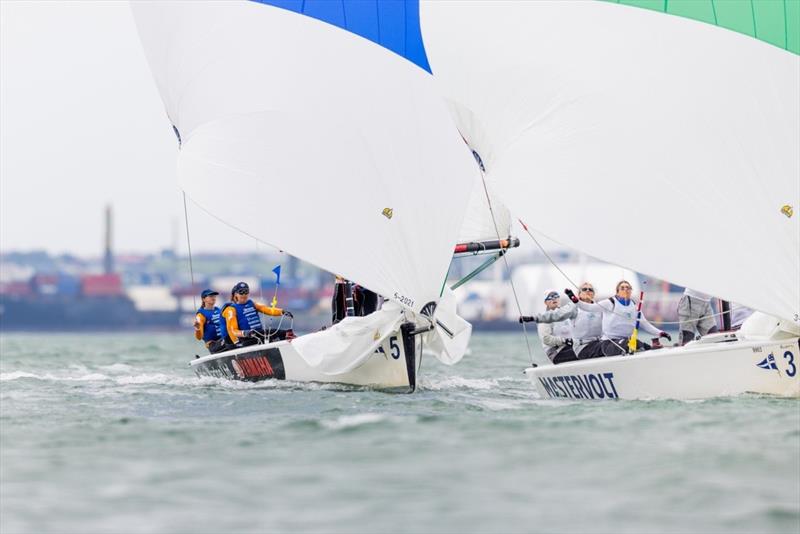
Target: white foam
<point x="16" y="375"/>
<point x="350" y="421"/>
<point x="117" y="367"/>
<point x="459" y="382"/>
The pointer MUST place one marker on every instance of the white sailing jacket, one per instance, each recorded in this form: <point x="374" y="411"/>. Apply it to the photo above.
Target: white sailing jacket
<point x="618" y="319"/>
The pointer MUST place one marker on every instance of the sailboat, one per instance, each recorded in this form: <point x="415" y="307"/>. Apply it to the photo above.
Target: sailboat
<point x="681" y="125"/>
<point x="326" y="139"/>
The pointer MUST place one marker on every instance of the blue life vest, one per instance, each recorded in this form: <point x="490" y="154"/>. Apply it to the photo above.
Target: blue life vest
<point x="212" y="329"/>
<point x="247" y="316"/>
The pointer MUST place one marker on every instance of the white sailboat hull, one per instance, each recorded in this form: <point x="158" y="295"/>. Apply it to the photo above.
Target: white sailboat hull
<point x="695" y="371"/>
<point x="392" y="367"/>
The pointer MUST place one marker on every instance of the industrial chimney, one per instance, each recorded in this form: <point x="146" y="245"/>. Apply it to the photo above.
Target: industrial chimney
<point x="108" y="258"/>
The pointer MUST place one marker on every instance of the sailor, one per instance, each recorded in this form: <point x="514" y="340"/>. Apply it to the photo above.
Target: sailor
<point x="241" y="323"/>
<point x="338" y="301"/>
<point x="207" y="325"/>
<point x="556" y="337"/>
<point x="695" y="314"/>
<point x="587" y="326"/>
<point x="619" y="319"/>
<point x="364" y="301"/>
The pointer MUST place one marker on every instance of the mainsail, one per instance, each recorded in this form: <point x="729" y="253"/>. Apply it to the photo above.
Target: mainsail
<point x="682" y="138"/>
<point x="312" y="139"/>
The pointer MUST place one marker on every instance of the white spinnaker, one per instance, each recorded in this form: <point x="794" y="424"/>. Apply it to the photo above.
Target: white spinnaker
<point x="312" y="139"/>
<point x="478" y="223"/>
<point x="678" y="142"/>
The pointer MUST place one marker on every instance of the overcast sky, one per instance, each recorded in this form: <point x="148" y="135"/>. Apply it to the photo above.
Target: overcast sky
<point x="82" y="125"/>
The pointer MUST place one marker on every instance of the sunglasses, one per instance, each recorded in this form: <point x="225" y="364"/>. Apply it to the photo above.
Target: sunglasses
<point x="587" y="289"/>
<point x="243" y="292"/>
<point x="625" y="287"/>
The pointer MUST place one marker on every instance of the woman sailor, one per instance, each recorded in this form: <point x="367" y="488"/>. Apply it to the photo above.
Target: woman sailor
<point x="556" y="336"/>
<point x="587" y="326"/>
<point x="619" y="320"/>
<point x="207" y="325"/>
<point x="241" y="322"/>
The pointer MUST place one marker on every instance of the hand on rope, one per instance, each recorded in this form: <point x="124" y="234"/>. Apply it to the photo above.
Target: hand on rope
<point x="527" y="319"/>
<point x="568" y="292"/>
<point x="666" y="335"/>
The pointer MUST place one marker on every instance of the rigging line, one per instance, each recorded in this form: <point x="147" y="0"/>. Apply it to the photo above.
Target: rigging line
<point x="613" y="312"/>
<point x="508" y="270"/>
<point x="713" y="315"/>
<point x="234" y="227"/>
<point x="189" y="246"/>
<point x="260" y="285"/>
<point x="546" y="255"/>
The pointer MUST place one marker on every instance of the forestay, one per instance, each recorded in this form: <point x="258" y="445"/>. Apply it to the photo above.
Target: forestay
<point x="312" y="139"/>
<point x="682" y="139"/>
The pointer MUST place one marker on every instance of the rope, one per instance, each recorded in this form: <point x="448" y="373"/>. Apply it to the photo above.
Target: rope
<point x="546" y="255"/>
<point x="508" y="269"/>
<point x="189" y="246"/>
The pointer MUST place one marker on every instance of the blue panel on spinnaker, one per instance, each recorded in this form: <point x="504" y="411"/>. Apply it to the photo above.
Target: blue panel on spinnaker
<point x="393" y="24"/>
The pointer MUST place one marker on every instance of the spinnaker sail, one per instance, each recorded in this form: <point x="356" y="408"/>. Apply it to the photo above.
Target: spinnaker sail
<point x="681" y="138"/>
<point x="312" y="139"/>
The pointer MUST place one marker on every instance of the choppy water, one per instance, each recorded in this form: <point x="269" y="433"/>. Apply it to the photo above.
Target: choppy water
<point x="115" y="434"/>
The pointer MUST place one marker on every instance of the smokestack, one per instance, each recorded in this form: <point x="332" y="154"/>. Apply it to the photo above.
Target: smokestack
<point x="108" y="259"/>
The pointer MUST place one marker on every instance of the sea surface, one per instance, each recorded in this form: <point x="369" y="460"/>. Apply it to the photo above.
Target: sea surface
<point x="113" y="433"/>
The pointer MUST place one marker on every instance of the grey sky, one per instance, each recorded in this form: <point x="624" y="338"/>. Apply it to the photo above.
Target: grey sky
<point x="81" y="124"/>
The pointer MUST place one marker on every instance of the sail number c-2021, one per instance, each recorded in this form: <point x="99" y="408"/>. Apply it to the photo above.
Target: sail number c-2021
<point x="404" y="300"/>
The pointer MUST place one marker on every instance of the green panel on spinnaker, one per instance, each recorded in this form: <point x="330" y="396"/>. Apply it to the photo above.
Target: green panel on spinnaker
<point x="693" y="9"/>
<point x="770" y="24"/>
<point x="792" y="9"/>
<point x="776" y="22"/>
<point x="736" y="15"/>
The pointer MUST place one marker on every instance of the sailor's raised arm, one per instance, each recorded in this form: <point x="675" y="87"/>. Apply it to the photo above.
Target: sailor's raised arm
<point x="559" y="314"/>
<point x="267" y="310"/>
<point x="593" y="306"/>
<point x="272" y="311"/>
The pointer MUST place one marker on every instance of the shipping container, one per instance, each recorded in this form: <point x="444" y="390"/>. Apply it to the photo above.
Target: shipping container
<point x="15" y="288"/>
<point x="69" y="285"/>
<point x="45" y="284"/>
<point x="101" y="285"/>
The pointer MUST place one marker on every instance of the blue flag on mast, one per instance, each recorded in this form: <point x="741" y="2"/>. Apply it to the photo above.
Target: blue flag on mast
<point x="277" y="271"/>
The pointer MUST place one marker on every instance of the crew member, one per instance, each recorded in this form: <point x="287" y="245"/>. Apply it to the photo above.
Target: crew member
<point x="364" y="300"/>
<point x="694" y="314"/>
<point x="207" y="325"/>
<point x="619" y="320"/>
<point x="556" y="337"/>
<point x="241" y="322"/>
<point x="587" y="326"/>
